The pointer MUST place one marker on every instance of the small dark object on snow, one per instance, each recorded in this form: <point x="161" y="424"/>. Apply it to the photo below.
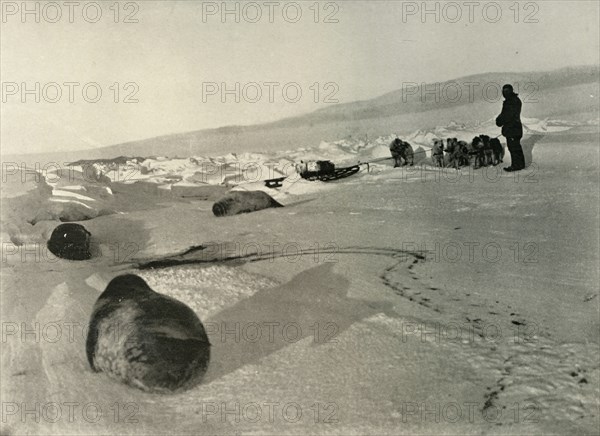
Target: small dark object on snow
<point x="70" y="241"/>
<point x="237" y="202"/>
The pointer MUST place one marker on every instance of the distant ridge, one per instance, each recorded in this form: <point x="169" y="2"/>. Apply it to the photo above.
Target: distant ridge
<point x="569" y="93"/>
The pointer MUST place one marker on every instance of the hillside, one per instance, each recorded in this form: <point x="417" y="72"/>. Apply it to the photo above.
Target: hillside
<point x="568" y="93"/>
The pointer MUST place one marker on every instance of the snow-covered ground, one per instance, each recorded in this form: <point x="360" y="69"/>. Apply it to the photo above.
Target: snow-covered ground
<point x="238" y="168"/>
<point x="395" y="301"/>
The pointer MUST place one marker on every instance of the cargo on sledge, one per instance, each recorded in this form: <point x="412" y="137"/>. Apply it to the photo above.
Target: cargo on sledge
<point x="322" y="170"/>
<point x="315" y="168"/>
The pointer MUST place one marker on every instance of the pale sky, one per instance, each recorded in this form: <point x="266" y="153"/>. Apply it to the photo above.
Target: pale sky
<point x="177" y="46"/>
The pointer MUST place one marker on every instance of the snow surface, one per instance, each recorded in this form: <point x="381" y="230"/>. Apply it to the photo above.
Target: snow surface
<point x="365" y="274"/>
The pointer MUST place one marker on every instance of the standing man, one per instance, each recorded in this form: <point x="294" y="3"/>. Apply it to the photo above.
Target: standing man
<point x="512" y="129"/>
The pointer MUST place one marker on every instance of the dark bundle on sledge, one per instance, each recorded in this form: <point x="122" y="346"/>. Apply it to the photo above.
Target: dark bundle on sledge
<point x="315" y="168"/>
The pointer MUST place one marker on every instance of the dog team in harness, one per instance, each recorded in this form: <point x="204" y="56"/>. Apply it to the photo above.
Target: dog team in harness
<point x="483" y="151"/>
